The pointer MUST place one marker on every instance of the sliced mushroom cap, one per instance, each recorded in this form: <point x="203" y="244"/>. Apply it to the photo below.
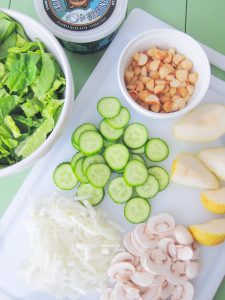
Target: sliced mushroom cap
<point x="164" y="244"/>
<point x="126" y="292"/>
<point x="136" y="243"/>
<point x="156" y="261"/>
<point x="143" y="279"/>
<point x="175" y="277"/>
<point x="196" y="250"/>
<point x="192" y="269"/>
<point x="166" y="290"/>
<point x="161" y="223"/>
<point x="158" y="280"/>
<point x="107" y="295"/>
<point x="184" y="252"/>
<point x="182" y="235"/>
<point x="151" y="294"/>
<point x="183" y="292"/>
<point x="121" y="271"/>
<point x="145" y="238"/>
<point x="123" y="257"/>
<point x="130" y="246"/>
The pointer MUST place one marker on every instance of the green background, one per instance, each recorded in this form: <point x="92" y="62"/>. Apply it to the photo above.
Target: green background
<point x="203" y="19"/>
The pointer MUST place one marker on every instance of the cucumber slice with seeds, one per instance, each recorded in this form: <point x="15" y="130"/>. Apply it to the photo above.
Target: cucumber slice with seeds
<point x="137" y="157"/>
<point x="119" y="191"/>
<point x="95" y="195"/>
<point x="108" y="143"/>
<point x="109" y="107"/>
<point x="95" y="159"/>
<point x="121" y="120"/>
<point x="135" y="173"/>
<point x="117" y="156"/>
<point x="98" y="175"/>
<point x="78" y="131"/>
<point x="78" y="170"/>
<point x="90" y="142"/>
<point x="161" y="175"/>
<point x="110" y="133"/>
<point x="149" y="189"/>
<point x="138" y="150"/>
<point x="137" y="210"/>
<point x="75" y="158"/>
<point x="156" y="150"/>
<point x="64" y="178"/>
<point x="135" y="136"/>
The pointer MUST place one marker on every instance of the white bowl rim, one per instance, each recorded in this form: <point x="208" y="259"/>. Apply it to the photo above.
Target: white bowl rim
<point x="69" y="93"/>
<point x="144" y="111"/>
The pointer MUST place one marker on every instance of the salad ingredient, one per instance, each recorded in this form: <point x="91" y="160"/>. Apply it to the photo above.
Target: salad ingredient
<point x="118" y="150"/>
<point x="156" y="150"/>
<point x="64" y="178"/>
<point x="158" y="262"/>
<point x="202" y="125"/>
<point x="72" y="246"/>
<point x="214" y="200"/>
<point x="210" y="233"/>
<point x="188" y="170"/>
<point x="214" y="159"/>
<point x="137" y="210"/>
<point x="31" y="93"/>
<point x="160" y="80"/>
<point x="161" y="175"/>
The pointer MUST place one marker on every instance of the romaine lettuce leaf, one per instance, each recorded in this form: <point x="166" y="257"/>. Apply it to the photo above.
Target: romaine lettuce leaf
<point x="7" y="104"/>
<point x="11" y="125"/>
<point x="31" y="107"/>
<point x="8" y="43"/>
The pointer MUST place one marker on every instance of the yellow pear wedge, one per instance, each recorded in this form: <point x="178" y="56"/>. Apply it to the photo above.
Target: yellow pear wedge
<point x="214" y="159"/>
<point x="188" y="170"/>
<point x="214" y="200"/>
<point x="203" y="124"/>
<point x="210" y="233"/>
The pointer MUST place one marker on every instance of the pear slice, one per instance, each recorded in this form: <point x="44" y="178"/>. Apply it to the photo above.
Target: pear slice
<point x="210" y="233"/>
<point x="214" y="159"/>
<point x="188" y="170"/>
<point x="214" y="200"/>
<point x="203" y="124"/>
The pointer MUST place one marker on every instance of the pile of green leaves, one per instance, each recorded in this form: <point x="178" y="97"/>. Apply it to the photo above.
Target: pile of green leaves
<point x="31" y="92"/>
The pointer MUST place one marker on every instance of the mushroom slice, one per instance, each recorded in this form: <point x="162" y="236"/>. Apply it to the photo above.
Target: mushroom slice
<point x="136" y="260"/>
<point x="192" y="269"/>
<point x="182" y="235"/>
<point x="143" y="279"/>
<point x="151" y="294"/>
<point x="107" y="295"/>
<point x="145" y="238"/>
<point x="166" y="290"/>
<point x="157" y="262"/>
<point x="121" y="271"/>
<point x="136" y="243"/>
<point x="184" y="252"/>
<point x="161" y="223"/>
<point x="123" y="257"/>
<point x="126" y="292"/>
<point x="176" y="276"/>
<point x="130" y="246"/>
<point x="158" y="280"/>
<point x="196" y="250"/>
<point x="183" y="292"/>
<point x="164" y="244"/>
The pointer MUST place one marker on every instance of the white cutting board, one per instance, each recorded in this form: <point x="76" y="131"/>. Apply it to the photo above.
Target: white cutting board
<point x="183" y="203"/>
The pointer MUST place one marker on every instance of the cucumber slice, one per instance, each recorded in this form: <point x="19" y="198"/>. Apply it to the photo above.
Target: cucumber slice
<point x="135" y="173"/>
<point x="135" y="136"/>
<point x="78" y="170"/>
<point x="149" y="189"/>
<point x="120" y="171"/>
<point x="96" y="194"/>
<point x="110" y="133"/>
<point x="161" y="175"/>
<point x="78" y="131"/>
<point x="75" y="158"/>
<point x="109" y="107"/>
<point x="64" y="178"/>
<point x="137" y="210"/>
<point x="121" y="120"/>
<point x="119" y="191"/>
<point x="95" y="159"/>
<point x="117" y="156"/>
<point x="137" y="157"/>
<point x="90" y="142"/>
<point x="156" y="150"/>
<point x="98" y="175"/>
<point x="138" y="150"/>
<point x="108" y="143"/>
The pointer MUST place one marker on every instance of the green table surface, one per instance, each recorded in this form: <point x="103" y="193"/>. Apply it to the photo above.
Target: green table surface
<point x="187" y="15"/>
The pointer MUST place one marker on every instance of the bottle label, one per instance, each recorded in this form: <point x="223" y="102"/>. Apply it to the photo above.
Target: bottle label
<point x="79" y="15"/>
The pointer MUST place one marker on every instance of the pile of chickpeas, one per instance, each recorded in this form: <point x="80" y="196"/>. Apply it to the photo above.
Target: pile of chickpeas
<point x="161" y="80"/>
